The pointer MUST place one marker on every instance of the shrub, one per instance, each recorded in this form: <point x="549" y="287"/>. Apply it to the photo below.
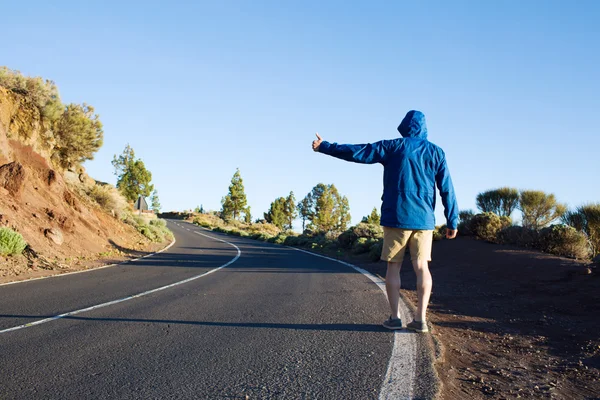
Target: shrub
<point x="439" y="232"/>
<point x="265" y="228"/>
<point x="208" y="220"/>
<point x="487" y="225"/>
<point x="501" y="201"/>
<point x="78" y="135"/>
<point x="108" y="198"/>
<point x="363" y="230"/>
<point x="464" y="225"/>
<point x="158" y="222"/>
<point x="361" y="245"/>
<point x="375" y="250"/>
<point x="519" y="236"/>
<point x="539" y="209"/>
<point x="43" y="93"/>
<point x="11" y="242"/>
<point x="566" y="241"/>
<point x="587" y="220"/>
<point x="280" y="239"/>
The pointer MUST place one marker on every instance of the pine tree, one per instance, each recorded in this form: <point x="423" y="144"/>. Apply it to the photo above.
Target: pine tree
<point x="326" y="209"/>
<point x="290" y="211"/>
<point x="155" y="202"/>
<point x="133" y="177"/>
<point x="372" y="218"/>
<point x="234" y="203"/>
<point x="247" y="215"/>
<point x="276" y="214"/>
<point x="305" y="209"/>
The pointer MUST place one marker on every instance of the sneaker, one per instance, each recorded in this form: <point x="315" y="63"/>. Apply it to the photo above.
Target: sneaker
<point x="393" y="323"/>
<point x="418" y="326"/>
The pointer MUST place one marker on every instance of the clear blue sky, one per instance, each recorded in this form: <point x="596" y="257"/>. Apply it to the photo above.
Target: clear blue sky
<point x="510" y="89"/>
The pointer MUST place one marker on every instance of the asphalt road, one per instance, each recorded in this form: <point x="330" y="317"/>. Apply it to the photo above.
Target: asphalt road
<point x="275" y="323"/>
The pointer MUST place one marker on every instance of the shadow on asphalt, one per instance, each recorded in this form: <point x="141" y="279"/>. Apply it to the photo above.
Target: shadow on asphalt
<point x="309" y="327"/>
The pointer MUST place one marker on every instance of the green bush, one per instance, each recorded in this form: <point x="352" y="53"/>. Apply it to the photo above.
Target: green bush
<point x="78" y="135"/>
<point x="375" y="250"/>
<point x="363" y="230"/>
<point x="487" y="225"/>
<point x="586" y="219"/>
<point x="158" y="222"/>
<point x="11" y="242"/>
<point x="155" y="230"/>
<point x="43" y="93"/>
<point x="464" y="225"/>
<point x="519" y="236"/>
<point x="280" y="239"/>
<point x="347" y="239"/>
<point x="108" y="198"/>
<point x="362" y="245"/>
<point x="439" y="232"/>
<point x="566" y="241"/>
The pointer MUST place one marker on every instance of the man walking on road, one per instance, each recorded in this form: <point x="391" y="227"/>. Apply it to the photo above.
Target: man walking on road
<point x="413" y="167"/>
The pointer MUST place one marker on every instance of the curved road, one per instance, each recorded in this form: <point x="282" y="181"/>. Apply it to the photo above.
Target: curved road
<point x="274" y="323"/>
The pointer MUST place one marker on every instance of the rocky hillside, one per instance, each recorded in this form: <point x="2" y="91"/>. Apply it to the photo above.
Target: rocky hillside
<point x="49" y="207"/>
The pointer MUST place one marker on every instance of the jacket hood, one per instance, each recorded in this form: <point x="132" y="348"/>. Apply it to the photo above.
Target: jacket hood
<point x="413" y="125"/>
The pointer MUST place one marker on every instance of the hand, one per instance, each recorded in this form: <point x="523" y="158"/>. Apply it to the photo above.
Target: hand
<point x="451" y="233"/>
<point x="317" y="143"/>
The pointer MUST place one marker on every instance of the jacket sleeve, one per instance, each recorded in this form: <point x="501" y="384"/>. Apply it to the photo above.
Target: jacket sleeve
<point x="444" y="184"/>
<point x="359" y="153"/>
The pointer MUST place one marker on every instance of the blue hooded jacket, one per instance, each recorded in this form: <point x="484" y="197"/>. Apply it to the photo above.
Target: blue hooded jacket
<point x="412" y="167"/>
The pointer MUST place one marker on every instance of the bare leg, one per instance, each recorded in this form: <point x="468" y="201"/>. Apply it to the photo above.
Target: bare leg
<point x="424" y="283"/>
<point x="392" y="286"/>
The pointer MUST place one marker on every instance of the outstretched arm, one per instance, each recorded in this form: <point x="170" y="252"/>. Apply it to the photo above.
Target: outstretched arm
<point x="370" y="153"/>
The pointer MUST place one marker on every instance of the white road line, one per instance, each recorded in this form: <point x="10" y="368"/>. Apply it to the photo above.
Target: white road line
<point x="401" y="373"/>
<point x="88" y="270"/>
<point x="75" y="312"/>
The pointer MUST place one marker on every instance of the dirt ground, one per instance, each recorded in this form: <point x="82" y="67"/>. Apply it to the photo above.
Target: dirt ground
<point x="510" y="323"/>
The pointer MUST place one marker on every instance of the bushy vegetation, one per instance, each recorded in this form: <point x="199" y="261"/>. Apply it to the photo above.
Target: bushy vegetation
<point x="564" y="240"/>
<point x="42" y="92"/>
<point x="73" y="133"/>
<point x="539" y="209"/>
<point x="11" y="242"/>
<point x="155" y="230"/>
<point x="502" y="201"/>
<point x="487" y="226"/>
<point x="519" y="236"/>
<point x="79" y="135"/>
<point x="282" y="212"/>
<point x="109" y="198"/>
<point x="586" y="219"/>
<point x="326" y="209"/>
<point x="373" y="218"/>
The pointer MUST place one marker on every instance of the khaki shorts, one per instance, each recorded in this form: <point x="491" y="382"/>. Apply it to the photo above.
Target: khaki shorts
<point x="396" y="240"/>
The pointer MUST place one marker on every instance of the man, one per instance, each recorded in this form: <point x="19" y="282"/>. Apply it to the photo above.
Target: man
<point x="413" y="167"/>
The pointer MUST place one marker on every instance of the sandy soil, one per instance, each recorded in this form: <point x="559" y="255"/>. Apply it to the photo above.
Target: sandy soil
<point x="510" y="323"/>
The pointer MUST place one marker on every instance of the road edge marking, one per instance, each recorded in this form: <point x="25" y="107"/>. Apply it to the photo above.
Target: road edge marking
<point x="90" y="269"/>
<point x="401" y="372"/>
<point x="109" y="303"/>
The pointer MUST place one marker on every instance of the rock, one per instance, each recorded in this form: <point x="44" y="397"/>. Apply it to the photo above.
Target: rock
<point x="86" y="180"/>
<point x="55" y="235"/>
<point x="12" y="177"/>
<point x="51" y="177"/>
<point x="70" y="176"/>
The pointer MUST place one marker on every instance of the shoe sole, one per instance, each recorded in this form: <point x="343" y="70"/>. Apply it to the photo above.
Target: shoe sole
<point x="417" y="330"/>
<point x="392" y="328"/>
